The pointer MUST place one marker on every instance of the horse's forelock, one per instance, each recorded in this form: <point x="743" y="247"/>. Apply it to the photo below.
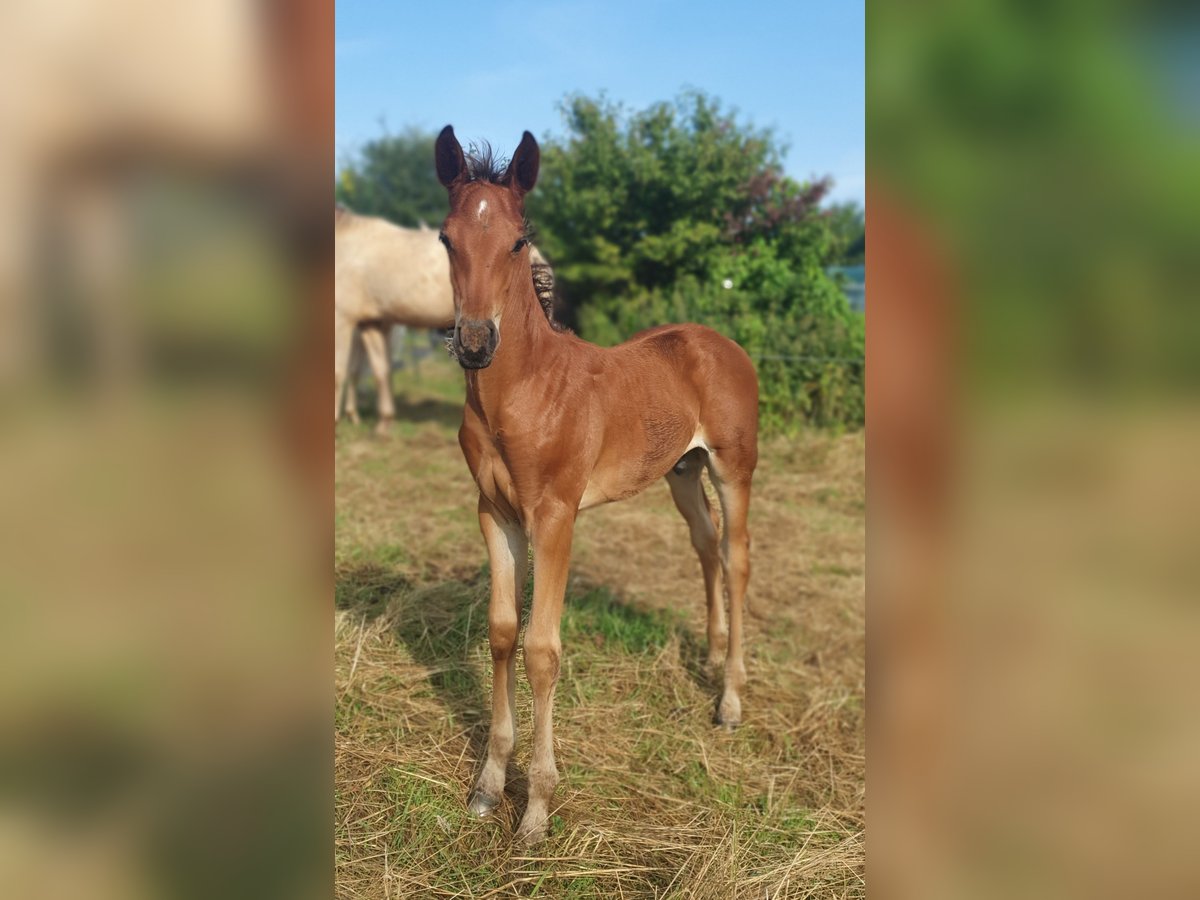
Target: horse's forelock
<point x="484" y="164"/>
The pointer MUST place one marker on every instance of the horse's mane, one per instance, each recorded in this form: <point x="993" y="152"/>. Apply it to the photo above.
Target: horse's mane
<point x="484" y="164"/>
<point x="543" y="286"/>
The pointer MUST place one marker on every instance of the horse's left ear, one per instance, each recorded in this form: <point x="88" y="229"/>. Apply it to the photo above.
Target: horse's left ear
<point x="523" y="170"/>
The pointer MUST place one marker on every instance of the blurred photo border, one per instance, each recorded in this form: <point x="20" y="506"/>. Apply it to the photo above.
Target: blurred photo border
<point x="1032" y="427"/>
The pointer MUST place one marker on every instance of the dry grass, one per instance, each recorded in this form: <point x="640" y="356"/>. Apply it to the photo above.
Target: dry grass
<point x="653" y="802"/>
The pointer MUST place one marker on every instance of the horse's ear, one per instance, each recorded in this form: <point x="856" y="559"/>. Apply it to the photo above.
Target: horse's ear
<point x="448" y="156"/>
<point x="523" y="170"/>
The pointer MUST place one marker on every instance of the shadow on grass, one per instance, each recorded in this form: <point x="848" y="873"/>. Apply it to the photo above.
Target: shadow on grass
<point x="604" y="617"/>
<point x="444" y="627"/>
<point x="440" y="624"/>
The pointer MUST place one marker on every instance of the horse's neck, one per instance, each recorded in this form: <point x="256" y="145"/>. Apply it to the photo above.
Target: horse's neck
<point x="526" y="338"/>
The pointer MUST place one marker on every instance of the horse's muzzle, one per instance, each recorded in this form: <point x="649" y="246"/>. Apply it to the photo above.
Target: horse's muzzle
<point x="474" y="343"/>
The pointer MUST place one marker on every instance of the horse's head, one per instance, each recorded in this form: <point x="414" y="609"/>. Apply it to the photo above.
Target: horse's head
<point x="485" y="237"/>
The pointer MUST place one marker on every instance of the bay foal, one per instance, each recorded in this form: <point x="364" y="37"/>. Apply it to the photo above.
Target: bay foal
<point x="554" y="425"/>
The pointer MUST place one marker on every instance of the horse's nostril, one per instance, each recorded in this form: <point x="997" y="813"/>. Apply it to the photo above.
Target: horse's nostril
<point x="477" y="337"/>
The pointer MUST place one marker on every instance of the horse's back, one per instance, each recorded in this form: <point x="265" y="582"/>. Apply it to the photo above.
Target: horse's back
<point x="714" y="363"/>
<point x="393" y="273"/>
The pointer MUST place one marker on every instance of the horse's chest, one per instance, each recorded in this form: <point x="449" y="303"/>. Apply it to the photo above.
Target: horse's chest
<point x="495" y="480"/>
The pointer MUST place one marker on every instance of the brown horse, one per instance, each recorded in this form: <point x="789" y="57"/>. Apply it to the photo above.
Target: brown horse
<point x="554" y="425"/>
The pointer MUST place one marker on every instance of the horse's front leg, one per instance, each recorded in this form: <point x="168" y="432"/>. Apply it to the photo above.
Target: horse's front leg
<point x="344" y="340"/>
<point x="507" y="553"/>
<point x="377" y="343"/>
<point x="552" y="531"/>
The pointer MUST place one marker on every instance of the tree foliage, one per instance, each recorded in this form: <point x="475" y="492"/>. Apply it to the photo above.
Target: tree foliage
<point x="848" y="223"/>
<point x="393" y="176"/>
<point x="648" y="217"/>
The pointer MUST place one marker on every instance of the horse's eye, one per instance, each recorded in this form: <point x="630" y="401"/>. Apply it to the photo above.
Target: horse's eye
<point x="521" y="242"/>
<point x="445" y="240"/>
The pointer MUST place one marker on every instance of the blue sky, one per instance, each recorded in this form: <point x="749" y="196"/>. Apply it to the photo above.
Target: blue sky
<point x="494" y="69"/>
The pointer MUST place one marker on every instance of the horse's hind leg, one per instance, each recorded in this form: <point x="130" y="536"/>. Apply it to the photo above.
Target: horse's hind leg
<point x="357" y="361"/>
<point x="688" y="493"/>
<point x="734" y="490"/>
<point x="375" y="340"/>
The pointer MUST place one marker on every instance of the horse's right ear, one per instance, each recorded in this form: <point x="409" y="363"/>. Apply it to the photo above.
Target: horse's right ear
<point x="523" y="170"/>
<point x="448" y="156"/>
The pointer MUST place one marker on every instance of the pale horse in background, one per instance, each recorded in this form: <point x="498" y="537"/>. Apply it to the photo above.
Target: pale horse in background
<point x="99" y="94"/>
<point x="386" y="275"/>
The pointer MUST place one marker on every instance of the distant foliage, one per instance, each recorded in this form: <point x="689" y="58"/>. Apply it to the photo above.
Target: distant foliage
<point x="647" y="216"/>
<point x="849" y="225"/>
<point x="393" y="177"/>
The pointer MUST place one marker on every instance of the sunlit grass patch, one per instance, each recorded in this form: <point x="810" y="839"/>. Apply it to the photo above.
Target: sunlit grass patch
<point x="599" y="617"/>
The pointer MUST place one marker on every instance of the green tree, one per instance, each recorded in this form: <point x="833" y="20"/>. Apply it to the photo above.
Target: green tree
<point x="393" y="176"/>
<point x="848" y="223"/>
<point x="681" y="213"/>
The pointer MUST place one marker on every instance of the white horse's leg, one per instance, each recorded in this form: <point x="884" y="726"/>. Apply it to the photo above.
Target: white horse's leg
<point x="375" y="339"/>
<point x="343" y="347"/>
<point x="358" y="361"/>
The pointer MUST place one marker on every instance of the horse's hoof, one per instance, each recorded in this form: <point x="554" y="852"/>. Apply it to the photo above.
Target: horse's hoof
<point x="729" y="712"/>
<point x="528" y="835"/>
<point x="482" y="805"/>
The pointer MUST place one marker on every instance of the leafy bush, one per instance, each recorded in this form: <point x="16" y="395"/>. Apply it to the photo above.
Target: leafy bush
<point x="647" y="217"/>
<point x="393" y="176"/>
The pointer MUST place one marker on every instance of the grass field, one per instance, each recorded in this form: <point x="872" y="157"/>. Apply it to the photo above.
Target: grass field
<point x="653" y="800"/>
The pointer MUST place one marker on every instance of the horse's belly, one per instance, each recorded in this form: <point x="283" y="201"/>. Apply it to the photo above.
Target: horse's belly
<point x="593" y="495"/>
<point x="626" y="475"/>
<point x="618" y="485"/>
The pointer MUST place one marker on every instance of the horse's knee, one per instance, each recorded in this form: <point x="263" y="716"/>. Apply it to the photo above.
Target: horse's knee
<point x="741" y="552"/>
<point x="541" y="661"/>
<point x="737" y="545"/>
<point x="502" y="636"/>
